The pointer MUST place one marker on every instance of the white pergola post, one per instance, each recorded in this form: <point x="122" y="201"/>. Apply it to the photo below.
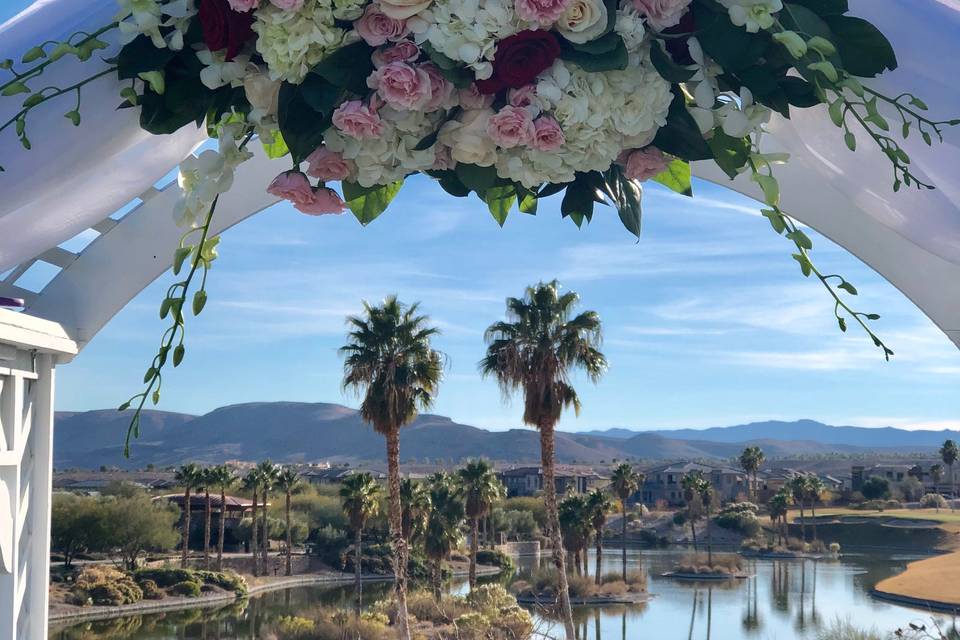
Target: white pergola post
<point x="30" y="349"/>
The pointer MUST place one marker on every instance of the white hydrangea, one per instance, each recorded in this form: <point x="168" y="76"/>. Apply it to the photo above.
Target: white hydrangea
<point x="468" y="30"/>
<point x="292" y="42"/>
<point x="629" y="26"/>
<point x="147" y="16"/>
<point x="205" y="176"/>
<point x="390" y="156"/>
<point x="600" y="114"/>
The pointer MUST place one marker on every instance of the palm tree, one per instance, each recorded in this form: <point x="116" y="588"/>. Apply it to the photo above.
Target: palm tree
<point x="360" y="500"/>
<point x="691" y="483"/>
<point x="187" y="476"/>
<point x="534" y="351"/>
<point x="389" y="360"/>
<point x="705" y="490"/>
<point x="778" y="507"/>
<point x="949" y="453"/>
<point x="224" y="478"/>
<point x="936" y="474"/>
<point x="480" y="489"/>
<point x="415" y="500"/>
<point x="798" y="488"/>
<point x="599" y="505"/>
<point x="575" y="527"/>
<point x="751" y="460"/>
<point x="251" y="483"/>
<point x="268" y="473"/>
<point x="443" y="529"/>
<point x="288" y="480"/>
<point x="625" y="482"/>
<point x="815" y="489"/>
<point x="204" y="480"/>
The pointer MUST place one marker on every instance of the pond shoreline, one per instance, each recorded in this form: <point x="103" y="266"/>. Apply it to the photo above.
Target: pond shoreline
<point x="931" y="583"/>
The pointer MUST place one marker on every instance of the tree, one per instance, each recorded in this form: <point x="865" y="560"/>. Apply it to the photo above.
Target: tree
<point x="814" y="492"/>
<point x="205" y="478"/>
<point x="288" y="481"/>
<point x="751" y="460"/>
<point x="691" y="483"/>
<point x="268" y="473"/>
<point x="187" y="476"/>
<point x="936" y="474"/>
<point x="535" y="350"/>
<point x="875" y="488"/>
<point x="251" y="483"/>
<point x="223" y="478"/>
<point x="575" y="527"/>
<point x="480" y="489"/>
<point x="137" y="524"/>
<point x="415" y="502"/>
<point x="76" y="525"/>
<point x="599" y="505"/>
<point x="778" y="507"/>
<point x="798" y="489"/>
<point x="442" y="535"/>
<point x="360" y="499"/>
<point x="625" y="482"/>
<point x="705" y="491"/>
<point x="389" y="360"/>
<point x="948" y="453"/>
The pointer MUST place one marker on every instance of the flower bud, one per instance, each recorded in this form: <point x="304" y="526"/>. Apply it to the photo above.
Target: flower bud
<point x="793" y="43"/>
<point x="821" y="45"/>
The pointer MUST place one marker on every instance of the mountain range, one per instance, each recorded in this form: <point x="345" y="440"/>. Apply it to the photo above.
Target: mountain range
<point x="303" y="432"/>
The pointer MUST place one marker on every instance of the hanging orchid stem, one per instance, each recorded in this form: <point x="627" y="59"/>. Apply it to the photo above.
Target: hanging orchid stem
<point x="38" y="69"/>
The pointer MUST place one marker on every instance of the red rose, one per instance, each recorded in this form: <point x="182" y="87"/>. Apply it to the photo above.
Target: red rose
<point x="678" y="45"/>
<point x="519" y="59"/>
<point x="224" y="28"/>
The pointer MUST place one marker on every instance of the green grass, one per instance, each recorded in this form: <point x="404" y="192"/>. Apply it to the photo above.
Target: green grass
<point x="945" y="516"/>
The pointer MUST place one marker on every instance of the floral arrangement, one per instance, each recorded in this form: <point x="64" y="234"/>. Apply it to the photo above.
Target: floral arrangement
<point x="512" y="100"/>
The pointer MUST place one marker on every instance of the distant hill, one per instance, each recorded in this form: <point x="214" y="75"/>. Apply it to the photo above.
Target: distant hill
<point x="298" y="431"/>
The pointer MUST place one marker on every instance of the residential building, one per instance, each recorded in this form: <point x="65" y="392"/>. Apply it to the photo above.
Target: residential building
<point x="920" y="469"/>
<point x="663" y="483"/>
<point x="528" y="481"/>
<point x="233" y="514"/>
<point x="336" y="475"/>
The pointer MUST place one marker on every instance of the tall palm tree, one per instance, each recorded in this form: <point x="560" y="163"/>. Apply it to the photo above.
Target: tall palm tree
<point x="268" y="473"/>
<point x="187" y="477"/>
<point x="599" y="505"/>
<point x="778" y="506"/>
<point x="388" y="359"/>
<point x="798" y="488"/>
<point x="442" y="535"/>
<point x="223" y="478"/>
<point x="204" y="480"/>
<point x="625" y="482"/>
<point x="415" y="501"/>
<point x="751" y="459"/>
<point x="480" y="488"/>
<point x="288" y="481"/>
<point x="949" y="453"/>
<point x="705" y="490"/>
<point x="360" y="500"/>
<point x="815" y="489"/>
<point x="575" y="528"/>
<point x="251" y="483"/>
<point x="691" y="483"/>
<point x="535" y="350"/>
<point x="936" y="474"/>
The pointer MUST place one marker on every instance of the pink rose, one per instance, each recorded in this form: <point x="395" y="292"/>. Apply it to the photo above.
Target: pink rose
<point x="471" y="98"/>
<point x="243" y="5"/>
<point x="643" y="164"/>
<point x="441" y="90"/>
<point x="287" y="5"/>
<point x="522" y="97"/>
<point x="357" y="120"/>
<point x="403" y="51"/>
<point x="324" y="201"/>
<point x="511" y="126"/>
<point x="662" y="14"/>
<point x="376" y="28"/>
<point x="328" y="165"/>
<point x="546" y="12"/>
<point x="292" y="186"/>
<point x="547" y="135"/>
<point x="402" y="86"/>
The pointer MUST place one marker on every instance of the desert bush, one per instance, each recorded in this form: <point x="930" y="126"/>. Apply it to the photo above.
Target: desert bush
<point x="495" y="559"/>
<point x="515" y="523"/>
<point x="164" y="576"/>
<point x="817" y="546"/>
<point x="151" y="591"/>
<point x="186" y="588"/>
<point x="845" y="630"/>
<point x="614" y="588"/>
<point x="933" y="501"/>
<point x="580" y="586"/>
<point x="105" y="585"/>
<point x="726" y="563"/>
<point x="324" y="624"/>
<point x="651" y="539"/>
<point x="796" y="544"/>
<point x="106" y="595"/>
<point x="472" y="626"/>
<point x="294" y="625"/>
<point x="227" y="580"/>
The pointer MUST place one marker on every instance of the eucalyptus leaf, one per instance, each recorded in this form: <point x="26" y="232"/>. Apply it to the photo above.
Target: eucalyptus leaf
<point x="476" y="178"/>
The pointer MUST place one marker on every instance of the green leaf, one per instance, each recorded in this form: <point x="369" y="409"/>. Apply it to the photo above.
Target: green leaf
<point x="499" y="200"/>
<point x="577" y="203"/>
<point x="199" y="301"/>
<point x="550" y="189"/>
<point x="476" y="178"/>
<point x="842" y="323"/>
<point x="124" y="406"/>
<point x="73" y="116"/>
<point x="776" y="219"/>
<point x="139" y="55"/>
<point x="681" y="136"/>
<point x="151" y="372"/>
<point x="825" y="7"/>
<point x="178" y="353"/>
<point x="301" y="125"/>
<point x="801" y="239"/>
<point x="528" y="203"/>
<point x="347" y="67"/>
<point x="676" y="177"/>
<point x="34" y="53"/>
<point x="601" y="45"/>
<point x="178" y="258"/>
<point x="798" y="92"/>
<point x="729" y="45"/>
<point x="730" y="154"/>
<point x="450" y="183"/>
<point x="33" y="100"/>
<point x="321" y="95"/>
<point x="14" y="88"/>
<point x="865" y="51"/>
<point x="367" y="203"/>
<point x="666" y="67"/>
<point x="277" y="148"/>
<point x="165" y="307"/>
<point x="804" y="263"/>
<point x="629" y="207"/>
<point x="614" y="60"/>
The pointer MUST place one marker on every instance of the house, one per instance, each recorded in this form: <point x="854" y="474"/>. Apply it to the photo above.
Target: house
<point x="920" y="469"/>
<point x="233" y="513"/>
<point x="663" y="483"/>
<point x="336" y="475"/>
<point x="528" y="481"/>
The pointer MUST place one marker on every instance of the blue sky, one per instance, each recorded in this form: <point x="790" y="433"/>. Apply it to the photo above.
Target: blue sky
<point x="708" y="321"/>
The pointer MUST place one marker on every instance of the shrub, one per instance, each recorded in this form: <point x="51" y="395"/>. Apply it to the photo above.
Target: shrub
<point x="515" y="622"/>
<point x="817" y="546"/>
<point x="742" y="520"/>
<point x="651" y="539"/>
<point x="294" y="625"/>
<point x="105" y="585"/>
<point x="496" y="559"/>
<point x="151" y="591"/>
<point x="106" y="595"/>
<point x="580" y="586"/>
<point x="844" y="630"/>
<point x="699" y="563"/>
<point x="472" y="626"/>
<point x="164" y="576"/>
<point x="933" y="501"/>
<point x="834" y="547"/>
<point x="226" y="580"/>
<point x="796" y="544"/>
<point x="186" y="588"/>
<point x="679" y="518"/>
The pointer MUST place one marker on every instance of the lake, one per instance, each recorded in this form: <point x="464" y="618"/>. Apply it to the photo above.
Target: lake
<point x="782" y="600"/>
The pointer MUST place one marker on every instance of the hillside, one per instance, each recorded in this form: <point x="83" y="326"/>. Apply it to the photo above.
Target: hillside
<point x="297" y="431"/>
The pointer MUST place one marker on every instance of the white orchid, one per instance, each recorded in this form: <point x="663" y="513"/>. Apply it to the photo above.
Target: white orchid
<point x="753" y="15"/>
<point x="148" y="16"/>
<point x="740" y="118"/>
<point x="205" y="176"/>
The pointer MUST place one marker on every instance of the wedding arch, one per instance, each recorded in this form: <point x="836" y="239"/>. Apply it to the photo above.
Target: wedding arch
<point x="110" y="181"/>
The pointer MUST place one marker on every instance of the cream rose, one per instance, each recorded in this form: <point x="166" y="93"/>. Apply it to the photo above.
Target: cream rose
<point x="468" y="139"/>
<point x="262" y="93"/>
<point x="583" y="21"/>
<point x="403" y="9"/>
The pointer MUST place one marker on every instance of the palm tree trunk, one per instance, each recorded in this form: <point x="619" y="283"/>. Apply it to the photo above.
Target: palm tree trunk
<point x="553" y="520"/>
<point x="357" y="569"/>
<point x="207" y="516"/>
<point x="289" y="537"/>
<point x="693" y="531"/>
<point x="222" y="527"/>
<point x="803" y="524"/>
<point x="599" y="541"/>
<point x="474" y="542"/>
<point x="709" y="541"/>
<point x="623" y="537"/>
<point x="255" y="525"/>
<point x="437" y="572"/>
<point x="185" y="541"/>
<point x="264" y="535"/>
<point x="396" y="532"/>
<point x="491" y="532"/>
<point x="813" y="517"/>
<point x="953" y="487"/>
